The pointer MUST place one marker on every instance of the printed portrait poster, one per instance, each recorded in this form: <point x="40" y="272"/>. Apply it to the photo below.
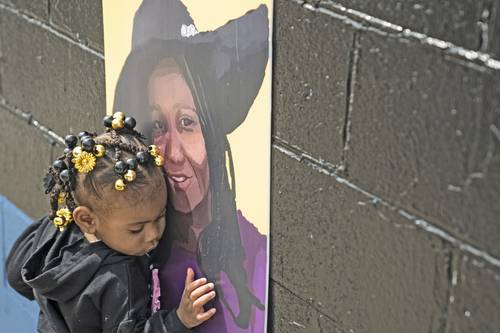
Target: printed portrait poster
<point x="196" y="75"/>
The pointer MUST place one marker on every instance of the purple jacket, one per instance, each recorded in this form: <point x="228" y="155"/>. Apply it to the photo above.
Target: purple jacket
<point x="173" y="275"/>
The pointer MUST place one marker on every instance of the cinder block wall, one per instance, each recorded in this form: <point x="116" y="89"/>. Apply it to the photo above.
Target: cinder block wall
<point x="386" y="152"/>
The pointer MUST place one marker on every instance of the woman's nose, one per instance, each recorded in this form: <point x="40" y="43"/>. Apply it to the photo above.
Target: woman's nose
<point x="173" y="148"/>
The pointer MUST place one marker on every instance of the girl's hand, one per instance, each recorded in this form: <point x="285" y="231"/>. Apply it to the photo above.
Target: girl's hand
<point x="196" y="294"/>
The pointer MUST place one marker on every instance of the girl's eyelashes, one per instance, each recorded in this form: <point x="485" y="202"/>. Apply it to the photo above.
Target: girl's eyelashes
<point x="160" y="219"/>
<point x="137" y="230"/>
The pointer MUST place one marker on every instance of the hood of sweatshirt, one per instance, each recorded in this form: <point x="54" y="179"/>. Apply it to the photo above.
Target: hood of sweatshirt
<point x="63" y="265"/>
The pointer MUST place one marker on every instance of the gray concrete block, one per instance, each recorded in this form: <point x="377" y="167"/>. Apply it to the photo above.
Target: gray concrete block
<point x="25" y="156"/>
<point x="38" y="8"/>
<point x="494" y="30"/>
<point x="289" y="314"/>
<point x="61" y="84"/>
<point x="81" y="19"/>
<point x="311" y="61"/>
<point x="356" y="261"/>
<point x="475" y="299"/>
<point x="425" y="136"/>
<point x="449" y="20"/>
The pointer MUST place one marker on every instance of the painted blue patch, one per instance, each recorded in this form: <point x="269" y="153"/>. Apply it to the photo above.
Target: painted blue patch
<point x="17" y="314"/>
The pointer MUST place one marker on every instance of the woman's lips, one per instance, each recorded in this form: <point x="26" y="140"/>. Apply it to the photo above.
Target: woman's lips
<point x="178" y="179"/>
<point x="180" y="182"/>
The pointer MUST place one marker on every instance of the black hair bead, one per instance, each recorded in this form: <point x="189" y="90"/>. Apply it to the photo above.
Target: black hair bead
<point x="59" y="165"/>
<point x="142" y="157"/>
<point x="121" y="167"/>
<point x="71" y="141"/>
<point x="65" y="175"/>
<point x="107" y="121"/>
<point x="66" y="151"/>
<point x="88" y="144"/>
<point x="132" y="163"/>
<point x="83" y="134"/>
<point x="130" y="122"/>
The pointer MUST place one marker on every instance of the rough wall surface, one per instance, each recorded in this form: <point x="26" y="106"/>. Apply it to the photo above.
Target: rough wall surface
<point x="386" y="152"/>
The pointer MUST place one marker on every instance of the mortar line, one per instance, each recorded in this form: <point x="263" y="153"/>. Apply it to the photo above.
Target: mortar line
<point x="364" y="22"/>
<point x="52" y="30"/>
<point x="351" y="82"/>
<point x="452" y="281"/>
<point x="52" y="136"/>
<point x="306" y="302"/>
<point x="331" y="170"/>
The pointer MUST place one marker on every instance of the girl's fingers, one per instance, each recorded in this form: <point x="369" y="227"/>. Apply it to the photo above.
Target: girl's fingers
<point x="203" y="300"/>
<point x="195" y="284"/>
<point x="189" y="277"/>
<point x="198" y="292"/>
<point x="201" y="317"/>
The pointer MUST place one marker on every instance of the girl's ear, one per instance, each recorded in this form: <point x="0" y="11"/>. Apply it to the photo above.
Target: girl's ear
<point x="85" y="219"/>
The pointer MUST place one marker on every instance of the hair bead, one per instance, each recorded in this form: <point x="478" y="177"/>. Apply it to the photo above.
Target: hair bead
<point x="119" y="184"/>
<point x="130" y="123"/>
<point x="130" y="176"/>
<point x="71" y="141"/>
<point x="64" y="176"/>
<point x="88" y="144"/>
<point x="107" y="121"/>
<point x="120" y="167"/>
<point x="59" y="165"/>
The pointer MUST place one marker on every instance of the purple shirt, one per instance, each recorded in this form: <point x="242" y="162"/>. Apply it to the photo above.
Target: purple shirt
<point x="173" y="275"/>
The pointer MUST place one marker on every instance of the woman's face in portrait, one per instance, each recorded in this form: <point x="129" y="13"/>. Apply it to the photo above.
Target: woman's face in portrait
<point x="177" y="132"/>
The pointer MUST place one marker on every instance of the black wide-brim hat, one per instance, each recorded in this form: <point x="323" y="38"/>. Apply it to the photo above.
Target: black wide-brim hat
<point x="224" y="68"/>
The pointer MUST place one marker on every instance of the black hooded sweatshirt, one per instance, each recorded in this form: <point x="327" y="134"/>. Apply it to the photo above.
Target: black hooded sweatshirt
<point x="84" y="287"/>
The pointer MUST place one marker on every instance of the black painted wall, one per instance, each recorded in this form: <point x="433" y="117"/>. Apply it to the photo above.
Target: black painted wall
<point x="386" y="152"/>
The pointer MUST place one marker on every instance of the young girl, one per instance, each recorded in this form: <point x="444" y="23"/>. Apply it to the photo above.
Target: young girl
<point x="87" y="263"/>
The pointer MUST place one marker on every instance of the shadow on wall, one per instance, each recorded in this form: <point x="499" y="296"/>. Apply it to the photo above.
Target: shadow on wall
<point x="17" y="314"/>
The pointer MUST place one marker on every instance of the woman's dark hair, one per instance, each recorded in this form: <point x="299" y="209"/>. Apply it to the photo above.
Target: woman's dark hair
<point x="220" y="246"/>
<point x="88" y="188"/>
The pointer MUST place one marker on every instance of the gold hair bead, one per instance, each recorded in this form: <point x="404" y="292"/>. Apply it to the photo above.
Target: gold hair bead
<point x="119" y="115"/>
<point x="159" y="160"/>
<point x="58" y="222"/>
<point x="77" y="151"/>
<point x="119" y="184"/>
<point x="153" y="150"/>
<point x="100" y="151"/>
<point x="61" y="197"/>
<point x="63" y="217"/>
<point x="65" y="213"/>
<point x="118" y="123"/>
<point x="130" y="175"/>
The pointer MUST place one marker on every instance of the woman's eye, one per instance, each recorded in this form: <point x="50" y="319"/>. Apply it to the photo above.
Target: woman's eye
<point x="186" y="122"/>
<point x="158" y="125"/>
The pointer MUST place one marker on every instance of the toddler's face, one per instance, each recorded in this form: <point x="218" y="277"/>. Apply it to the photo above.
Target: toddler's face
<point x="131" y="228"/>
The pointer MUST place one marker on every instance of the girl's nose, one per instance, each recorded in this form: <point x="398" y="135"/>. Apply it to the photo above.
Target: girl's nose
<point x="152" y="232"/>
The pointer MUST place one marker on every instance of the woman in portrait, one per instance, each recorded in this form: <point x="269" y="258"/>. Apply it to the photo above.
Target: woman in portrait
<point x="188" y="90"/>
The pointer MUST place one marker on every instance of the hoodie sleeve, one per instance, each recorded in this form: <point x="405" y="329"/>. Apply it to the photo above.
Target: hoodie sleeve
<point x="161" y="321"/>
<point x="125" y="305"/>
<point x="19" y="253"/>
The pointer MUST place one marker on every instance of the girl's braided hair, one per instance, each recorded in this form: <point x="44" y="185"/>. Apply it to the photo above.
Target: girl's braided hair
<point x="83" y="172"/>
